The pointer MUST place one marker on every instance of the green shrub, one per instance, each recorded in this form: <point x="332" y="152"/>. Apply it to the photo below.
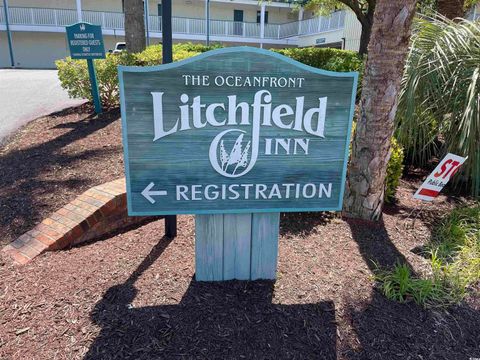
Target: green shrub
<point x="325" y="58"/>
<point x="328" y="59"/>
<point x="454" y="254"/>
<point x="394" y="171"/>
<point x="152" y="55"/>
<point x="73" y="75"/>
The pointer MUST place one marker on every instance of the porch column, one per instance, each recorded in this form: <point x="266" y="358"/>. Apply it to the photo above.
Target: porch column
<point x="207" y="21"/>
<point x="300" y="18"/>
<point x="262" y="25"/>
<point x="9" y="34"/>
<point x="79" y="10"/>
<point x="146" y="14"/>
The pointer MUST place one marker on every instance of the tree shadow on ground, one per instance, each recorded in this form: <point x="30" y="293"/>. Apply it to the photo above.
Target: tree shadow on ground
<point x="390" y="330"/>
<point x="223" y="320"/>
<point x="294" y="223"/>
<point x="375" y="245"/>
<point x="21" y="174"/>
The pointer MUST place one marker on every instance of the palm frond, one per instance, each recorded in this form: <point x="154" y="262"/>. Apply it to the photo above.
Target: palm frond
<point x="440" y="96"/>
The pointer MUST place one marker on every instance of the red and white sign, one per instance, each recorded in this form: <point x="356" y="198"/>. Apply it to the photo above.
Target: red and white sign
<point x="439" y="177"/>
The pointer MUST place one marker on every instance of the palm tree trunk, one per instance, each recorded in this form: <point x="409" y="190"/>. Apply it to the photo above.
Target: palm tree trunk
<point x="134" y="26"/>
<point x="451" y="9"/>
<point x="387" y="52"/>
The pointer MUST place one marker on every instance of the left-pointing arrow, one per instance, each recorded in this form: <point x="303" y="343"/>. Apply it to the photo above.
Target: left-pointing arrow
<point x="148" y="193"/>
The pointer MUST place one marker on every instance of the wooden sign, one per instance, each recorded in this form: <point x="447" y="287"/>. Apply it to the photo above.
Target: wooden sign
<point x="439" y="177"/>
<point x="235" y="130"/>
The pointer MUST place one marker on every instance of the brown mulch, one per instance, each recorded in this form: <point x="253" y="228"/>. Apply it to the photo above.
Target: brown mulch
<point x="52" y="160"/>
<point x="133" y="296"/>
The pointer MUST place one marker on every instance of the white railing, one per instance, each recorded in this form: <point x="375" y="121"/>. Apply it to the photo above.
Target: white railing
<point x="322" y="23"/>
<point x="115" y="21"/>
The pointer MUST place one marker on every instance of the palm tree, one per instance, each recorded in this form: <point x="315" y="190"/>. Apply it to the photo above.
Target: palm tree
<point x="387" y="51"/>
<point x="134" y="26"/>
<point x="439" y="107"/>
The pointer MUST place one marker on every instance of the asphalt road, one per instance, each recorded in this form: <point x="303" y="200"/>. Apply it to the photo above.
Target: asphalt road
<point x="26" y="95"/>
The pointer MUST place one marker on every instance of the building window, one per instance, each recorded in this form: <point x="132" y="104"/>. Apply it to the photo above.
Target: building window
<point x="159" y="8"/>
<point x="259" y="17"/>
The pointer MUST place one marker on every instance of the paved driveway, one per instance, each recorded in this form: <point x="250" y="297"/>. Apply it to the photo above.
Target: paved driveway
<point x="28" y="94"/>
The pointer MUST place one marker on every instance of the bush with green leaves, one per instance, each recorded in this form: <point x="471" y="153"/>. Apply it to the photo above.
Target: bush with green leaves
<point x="439" y="106"/>
<point x="394" y="171"/>
<point x="325" y="58"/>
<point x="73" y="74"/>
<point x="454" y="254"/>
<point x="328" y="59"/>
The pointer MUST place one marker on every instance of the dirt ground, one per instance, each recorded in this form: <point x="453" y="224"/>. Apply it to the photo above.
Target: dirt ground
<point x="133" y="296"/>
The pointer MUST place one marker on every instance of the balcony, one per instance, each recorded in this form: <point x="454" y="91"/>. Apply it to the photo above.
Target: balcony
<point x="54" y="20"/>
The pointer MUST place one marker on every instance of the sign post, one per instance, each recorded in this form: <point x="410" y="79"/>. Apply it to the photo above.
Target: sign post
<point x="235" y="136"/>
<point x="86" y="42"/>
<point x="167" y="58"/>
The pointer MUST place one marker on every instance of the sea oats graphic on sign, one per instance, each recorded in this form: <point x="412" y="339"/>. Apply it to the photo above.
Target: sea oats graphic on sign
<point x="223" y="155"/>
<point x="238" y="156"/>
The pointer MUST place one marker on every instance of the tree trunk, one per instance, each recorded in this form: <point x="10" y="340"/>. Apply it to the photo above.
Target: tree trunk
<point x="367" y="22"/>
<point x="134" y="26"/>
<point x="387" y="52"/>
<point x="451" y="9"/>
<point x="365" y="39"/>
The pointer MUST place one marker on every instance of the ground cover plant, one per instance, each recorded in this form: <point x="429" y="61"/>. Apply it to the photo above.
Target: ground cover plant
<point x="454" y="255"/>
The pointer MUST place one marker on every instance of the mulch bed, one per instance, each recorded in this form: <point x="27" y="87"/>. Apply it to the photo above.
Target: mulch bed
<point x="52" y="160"/>
<point x="133" y="296"/>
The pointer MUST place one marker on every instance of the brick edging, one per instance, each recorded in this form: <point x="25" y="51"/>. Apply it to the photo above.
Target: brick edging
<point x="97" y="211"/>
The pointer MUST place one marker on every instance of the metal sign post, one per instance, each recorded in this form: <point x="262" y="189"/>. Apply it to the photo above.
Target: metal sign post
<point x="9" y="34"/>
<point x="167" y="57"/>
<point x="235" y="136"/>
<point x="86" y="42"/>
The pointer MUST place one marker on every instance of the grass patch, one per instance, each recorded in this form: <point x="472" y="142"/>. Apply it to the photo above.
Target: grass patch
<point x="454" y="254"/>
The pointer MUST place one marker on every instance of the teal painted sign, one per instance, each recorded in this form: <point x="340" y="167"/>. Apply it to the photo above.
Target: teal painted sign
<point x="235" y="130"/>
<point x="85" y="41"/>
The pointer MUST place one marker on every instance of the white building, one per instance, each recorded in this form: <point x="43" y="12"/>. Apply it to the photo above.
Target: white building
<point x="37" y="27"/>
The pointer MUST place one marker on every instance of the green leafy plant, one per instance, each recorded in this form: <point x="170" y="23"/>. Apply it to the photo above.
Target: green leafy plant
<point x="401" y="285"/>
<point x="439" y="106"/>
<point x="394" y="171"/>
<point x="73" y="74"/>
<point x="325" y="58"/>
<point x="454" y="254"/>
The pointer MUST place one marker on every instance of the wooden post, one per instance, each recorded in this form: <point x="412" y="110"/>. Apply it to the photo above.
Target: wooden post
<point x="236" y="246"/>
